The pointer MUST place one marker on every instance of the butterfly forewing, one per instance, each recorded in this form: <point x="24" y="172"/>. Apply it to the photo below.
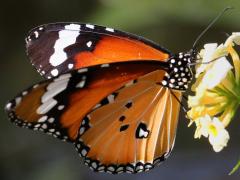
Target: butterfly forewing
<point x="58" y="48"/>
<point x="58" y="106"/>
<point x="133" y="132"/>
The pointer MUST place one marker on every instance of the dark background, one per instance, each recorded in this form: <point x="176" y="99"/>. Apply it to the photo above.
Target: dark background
<point x="28" y="155"/>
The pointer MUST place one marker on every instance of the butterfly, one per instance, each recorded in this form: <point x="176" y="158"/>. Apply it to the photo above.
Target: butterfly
<point x="112" y="94"/>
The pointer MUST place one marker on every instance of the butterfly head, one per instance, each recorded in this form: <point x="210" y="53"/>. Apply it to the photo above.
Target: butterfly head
<point x="188" y="58"/>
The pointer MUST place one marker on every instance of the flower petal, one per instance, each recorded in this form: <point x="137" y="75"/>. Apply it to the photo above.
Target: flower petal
<point x="235" y="37"/>
<point x="216" y="73"/>
<point x="208" y="52"/>
<point x="236" y="63"/>
<point x="220" y="141"/>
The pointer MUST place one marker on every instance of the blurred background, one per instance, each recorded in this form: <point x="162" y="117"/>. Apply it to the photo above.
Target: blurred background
<point x="29" y="155"/>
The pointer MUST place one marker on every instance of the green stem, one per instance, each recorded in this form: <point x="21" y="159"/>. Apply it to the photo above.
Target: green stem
<point x="236" y="167"/>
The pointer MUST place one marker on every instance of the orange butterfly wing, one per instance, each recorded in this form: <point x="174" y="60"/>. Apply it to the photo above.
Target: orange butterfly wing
<point x="60" y="47"/>
<point x="58" y="106"/>
<point x="135" y="131"/>
<point x="118" y="49"/>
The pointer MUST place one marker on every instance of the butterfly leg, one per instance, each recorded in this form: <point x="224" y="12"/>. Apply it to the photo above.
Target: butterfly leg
<point x="182" y="105"/>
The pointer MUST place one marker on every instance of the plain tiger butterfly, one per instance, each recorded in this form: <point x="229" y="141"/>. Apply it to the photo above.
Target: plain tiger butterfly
<point x="112" y="94"/>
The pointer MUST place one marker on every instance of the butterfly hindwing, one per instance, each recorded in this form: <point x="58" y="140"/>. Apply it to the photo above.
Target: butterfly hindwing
<point x="134" y="131"/>
<point x="60" y="47"/>
<point x="59" y="105"/>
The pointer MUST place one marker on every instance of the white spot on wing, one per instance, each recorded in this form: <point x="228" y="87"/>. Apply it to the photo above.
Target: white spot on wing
<point x="101" y="168"/>
<point x="42" y="119"/>
<point x="64" y="76"/>
<point x="94" y="165"/>
<point x="28" y="39"/>
<point x="129" y="168"/>
<point x="89" y="44"/>
<point x="111" y="168"/>
<point x="44" y="126"/>
<point x="80" y="84"/>
<point x="97" y="106"/>
<point x="81" y="131"/>
<point x="110" y="29"/>
<point x="53" y="89"/>
<point x="82" y="70"/>
<point x="60" y="107"/>
<point x="37" y="125"/>
<point x="35" y="86"/>
<point x="51" y="130"/>
<point x="73" y="27"/>
<point x="54" y="86"/>
<point x="110" y="98"/>
<point x="90" y="26"/>
<point x="18" y="100"/>
<point x="105" y="65"/>
<point x="120" y="168"/>
<point x="139" y="168"/>
<point x="84" y="152"/>
<point x="36" y="34"/>
<point x="143" y="133"/>
<point x="129" y="83"/>
<point x="83" y="122"/>
<point x="8" y="106"/>
<point x="66" y="38"/>
<point x="51" y="120"/>
<point x="46" y="106"/>
<point x="70" y="66"/>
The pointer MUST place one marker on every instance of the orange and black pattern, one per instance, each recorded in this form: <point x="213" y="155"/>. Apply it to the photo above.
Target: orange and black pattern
<point x="61" y="47"/>
<point x="59" y="105"/>
<point x="114" y="95"/>
<point x="134" y="131"/>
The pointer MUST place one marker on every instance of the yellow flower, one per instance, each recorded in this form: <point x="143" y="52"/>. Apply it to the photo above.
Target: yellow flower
<point x="218" y="135"/>
<point x="216" y="91"/>
<point x="202" y="125"/>
<point x="214" y="130"/>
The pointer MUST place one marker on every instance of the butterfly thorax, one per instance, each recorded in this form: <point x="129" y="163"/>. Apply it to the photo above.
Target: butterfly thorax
<point x="179" y="73"/>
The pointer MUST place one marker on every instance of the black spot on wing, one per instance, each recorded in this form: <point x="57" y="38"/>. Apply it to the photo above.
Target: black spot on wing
<point x="142" y="131"/>
<point x="104" y="102"/>
<point x="122" y="118"/>
<point x="124" y="127"/>
<point x="128" y="105"/>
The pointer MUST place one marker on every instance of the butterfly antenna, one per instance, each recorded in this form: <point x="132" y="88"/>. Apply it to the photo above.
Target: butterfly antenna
<point x="210" y="25"/>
